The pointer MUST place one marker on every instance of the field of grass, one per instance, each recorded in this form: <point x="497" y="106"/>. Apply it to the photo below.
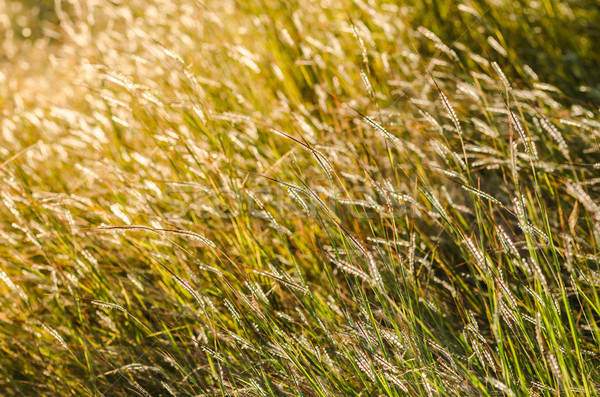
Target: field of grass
<point x="299" y="198"/>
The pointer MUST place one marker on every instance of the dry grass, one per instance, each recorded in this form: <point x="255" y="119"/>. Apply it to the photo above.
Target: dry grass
<point x="299" y="198"/>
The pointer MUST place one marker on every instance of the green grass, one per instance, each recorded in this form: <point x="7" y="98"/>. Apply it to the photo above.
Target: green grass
<point x="305" y="198"/>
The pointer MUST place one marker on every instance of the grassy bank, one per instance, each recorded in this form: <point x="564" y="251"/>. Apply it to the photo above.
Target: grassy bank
<point x="311" y="198"/>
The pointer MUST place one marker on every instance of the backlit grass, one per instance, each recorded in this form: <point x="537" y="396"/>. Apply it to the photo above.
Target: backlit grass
<point x="304" y="198"/>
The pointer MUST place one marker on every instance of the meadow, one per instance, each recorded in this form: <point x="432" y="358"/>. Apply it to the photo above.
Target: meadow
<point x="299" y="198"/>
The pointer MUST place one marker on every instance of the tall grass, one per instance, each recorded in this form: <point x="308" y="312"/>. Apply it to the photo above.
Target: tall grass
<point x="310" y="198"/>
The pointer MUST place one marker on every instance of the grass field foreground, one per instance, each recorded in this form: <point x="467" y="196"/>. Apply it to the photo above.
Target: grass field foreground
<point x="303" y="198"/>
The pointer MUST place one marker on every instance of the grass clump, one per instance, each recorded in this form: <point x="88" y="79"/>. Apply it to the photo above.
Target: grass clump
<point x="300" y="198"/>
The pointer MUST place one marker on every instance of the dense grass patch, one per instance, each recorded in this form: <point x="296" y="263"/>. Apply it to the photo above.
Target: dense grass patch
<point x="299" y="198"/>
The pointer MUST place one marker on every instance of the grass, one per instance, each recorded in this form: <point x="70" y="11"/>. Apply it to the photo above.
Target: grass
<point x="304" y="198"/>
